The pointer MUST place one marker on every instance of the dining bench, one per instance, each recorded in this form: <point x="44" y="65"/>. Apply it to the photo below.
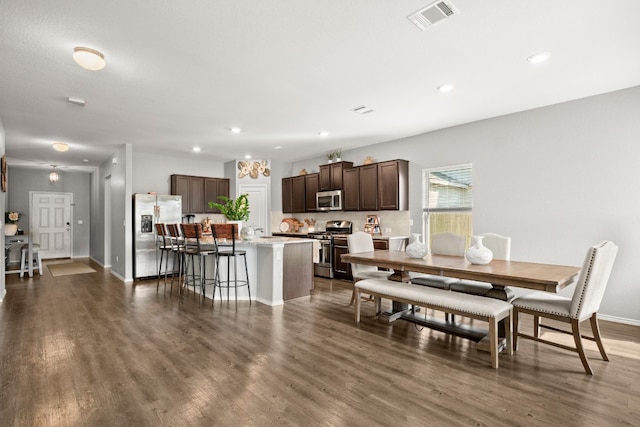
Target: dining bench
<point x="473" y="306"/>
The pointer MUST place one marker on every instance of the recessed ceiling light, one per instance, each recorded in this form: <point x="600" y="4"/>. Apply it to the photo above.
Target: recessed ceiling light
<point x="537" y="58"/>
<point x="77" y="101"/>
<point x="247" y="156"/>
<point x="446" y="88"/>
<point x="196" y="149"/>
<point x="323" y="133"/>
<point x="89" y="59"/>
<point x="278" y="147"/>
<point x="85" y="160"/>
<point x="60" y="146"/>
<point x="235" y="130"/>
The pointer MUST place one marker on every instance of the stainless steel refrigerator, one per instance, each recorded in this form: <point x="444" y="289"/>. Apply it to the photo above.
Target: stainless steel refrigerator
<point x="149" y="209"/>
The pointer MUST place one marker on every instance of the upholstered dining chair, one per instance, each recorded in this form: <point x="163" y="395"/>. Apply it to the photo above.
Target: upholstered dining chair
<point x="442" y="244"/>
<point x="363" y="242"/>
<point x="501" y="248"/>
<point x="583" y="305"/>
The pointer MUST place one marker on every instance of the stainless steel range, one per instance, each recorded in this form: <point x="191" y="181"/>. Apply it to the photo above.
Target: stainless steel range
<point x="324" y="268"/>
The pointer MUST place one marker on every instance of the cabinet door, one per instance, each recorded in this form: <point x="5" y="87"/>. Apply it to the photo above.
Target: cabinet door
<point x="351" y="190"/>
<point x="325" y="177"/>
<point x="287" y="195"/>
<point x="213" y="188"/>
<point x="180" y="187"/>
<point x="336" y="175"/>
<point x="380" y="245"/>
<point x="298" y="195"/>
<point x="369" y="187"/>
<point x="341" y="270"/>
<point x="196" y="193"/>
<point x="392" y="185"/>
<point x="312" y="184"/>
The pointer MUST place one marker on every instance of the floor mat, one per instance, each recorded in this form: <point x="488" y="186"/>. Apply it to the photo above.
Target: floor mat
<point x="69" y="268"/>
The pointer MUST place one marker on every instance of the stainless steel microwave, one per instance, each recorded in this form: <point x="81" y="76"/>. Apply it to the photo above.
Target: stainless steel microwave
<point x="329" y="200"/>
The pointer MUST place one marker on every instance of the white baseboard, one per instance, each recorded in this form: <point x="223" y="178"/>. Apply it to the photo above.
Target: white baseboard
<point x="615" y="319"/>
<point x="98" y="262"/>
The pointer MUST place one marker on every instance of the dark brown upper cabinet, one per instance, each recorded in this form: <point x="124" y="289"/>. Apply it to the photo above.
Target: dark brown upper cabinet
<point x="193" y="190"/>
<point x="331" y="175"/>
<point x="393" y="185"/>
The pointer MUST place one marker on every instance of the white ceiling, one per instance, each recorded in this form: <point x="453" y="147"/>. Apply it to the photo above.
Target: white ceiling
<point x="181" y="74"/>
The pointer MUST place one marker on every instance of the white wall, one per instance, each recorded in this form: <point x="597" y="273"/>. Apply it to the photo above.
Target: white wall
<point x="556" y="179"/>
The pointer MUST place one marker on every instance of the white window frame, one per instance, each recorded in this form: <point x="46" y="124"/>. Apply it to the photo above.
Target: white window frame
<point x="426" y="229"/>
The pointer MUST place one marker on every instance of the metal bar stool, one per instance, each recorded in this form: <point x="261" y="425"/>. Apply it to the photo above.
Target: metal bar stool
<point x="195" y="248"/>
<point x="177" y="247"/>
<point x="164" y="248"/>
<point x="37" y="259"/>
<point x="228" y="233"/>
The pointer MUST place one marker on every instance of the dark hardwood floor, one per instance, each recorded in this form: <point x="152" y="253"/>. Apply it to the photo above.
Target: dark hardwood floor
<point x="88" y="350"/>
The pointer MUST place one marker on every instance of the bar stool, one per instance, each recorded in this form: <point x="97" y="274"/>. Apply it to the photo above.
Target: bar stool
<point x="228" y="231"/>
<point x="164" y="248"/>
<point x="177" y="247"/>
<point x="194" y="248"/>
<point x="37" y="260"/>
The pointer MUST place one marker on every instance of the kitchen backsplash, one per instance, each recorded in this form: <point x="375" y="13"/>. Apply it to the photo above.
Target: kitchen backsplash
<point x="392" y="223"/>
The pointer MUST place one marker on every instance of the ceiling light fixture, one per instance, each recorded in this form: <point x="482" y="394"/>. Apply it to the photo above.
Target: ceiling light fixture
<point x="76" y="101"/>
<point x="89" y="59"/>
<point x="446" y="88"/>
<point x="60" y="146"/>
<point x="537" y="58"/>
<point x="247" y="156"/>
<point x="235" y="130"/>
<point x="197" y="149"/>
<point x="323" y="134"/>
<point x="53" y="176"/>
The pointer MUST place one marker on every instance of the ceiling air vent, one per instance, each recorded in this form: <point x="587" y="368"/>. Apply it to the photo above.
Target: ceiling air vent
<point x="363" y="109"/>
<point x="433" y="13"/>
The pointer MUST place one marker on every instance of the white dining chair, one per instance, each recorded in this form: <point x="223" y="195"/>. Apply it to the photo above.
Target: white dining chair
<point x="363" y="242"/>
<point x="442" y="244"/>
<point x="583" y="305"/>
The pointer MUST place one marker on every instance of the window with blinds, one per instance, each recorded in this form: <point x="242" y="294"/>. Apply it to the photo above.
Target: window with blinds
<point x="447" y="201"/>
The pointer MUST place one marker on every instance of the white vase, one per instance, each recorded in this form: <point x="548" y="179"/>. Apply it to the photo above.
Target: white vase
<point x="238" y="226"/>
<point x="10" y="229"/>
<point x="477" y="252"/>
<point x="416" y="249"/>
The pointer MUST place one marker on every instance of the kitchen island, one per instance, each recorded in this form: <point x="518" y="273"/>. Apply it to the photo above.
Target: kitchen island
<point x="280" y="269"/>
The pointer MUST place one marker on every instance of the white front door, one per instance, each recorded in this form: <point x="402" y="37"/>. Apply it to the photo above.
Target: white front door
<point x="51" y="223"/>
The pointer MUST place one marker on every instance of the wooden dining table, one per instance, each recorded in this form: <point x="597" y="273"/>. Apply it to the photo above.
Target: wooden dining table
<point x="540" y="277"/>
<point x="501" y="274"/>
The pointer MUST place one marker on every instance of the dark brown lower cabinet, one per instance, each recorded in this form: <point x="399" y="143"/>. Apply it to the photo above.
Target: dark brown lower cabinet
<point x="342" y="270"/>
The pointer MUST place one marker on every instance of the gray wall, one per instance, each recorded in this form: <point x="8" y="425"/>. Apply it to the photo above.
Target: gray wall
<point x="120" y="173"/>
<point x="152" y="172"/>
<point x="2" y="209"/>
<point x="556" y="179"/>
<point x="22" y="180"/>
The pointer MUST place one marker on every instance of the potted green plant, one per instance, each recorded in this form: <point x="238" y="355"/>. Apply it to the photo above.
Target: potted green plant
<point x="338" y="155"/>
<point x="234" y="210"/>
<point x="330" y="157"/>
